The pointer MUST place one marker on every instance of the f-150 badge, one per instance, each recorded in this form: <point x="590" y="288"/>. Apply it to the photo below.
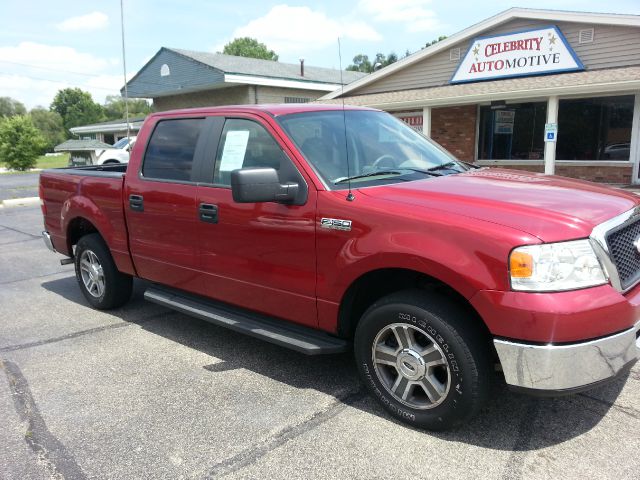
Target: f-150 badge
<point x="336" y="224"/>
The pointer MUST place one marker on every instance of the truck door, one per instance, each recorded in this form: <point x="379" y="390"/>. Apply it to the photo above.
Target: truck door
<point x="260" y="256"/>
<point x="160" y="204"/>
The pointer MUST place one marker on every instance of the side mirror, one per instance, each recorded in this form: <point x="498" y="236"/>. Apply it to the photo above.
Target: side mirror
<point x="253" y="185"/>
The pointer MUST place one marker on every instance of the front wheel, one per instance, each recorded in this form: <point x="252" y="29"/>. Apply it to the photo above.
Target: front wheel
<point x="424" y="359"/>
<point x="101" y="283"/>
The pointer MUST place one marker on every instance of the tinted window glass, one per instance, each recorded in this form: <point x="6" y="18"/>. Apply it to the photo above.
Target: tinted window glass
<point x="245" y="144"/>
<point x="595" y="128"/>
<point x="170" y="151"/>
<point x="515" y="132"/>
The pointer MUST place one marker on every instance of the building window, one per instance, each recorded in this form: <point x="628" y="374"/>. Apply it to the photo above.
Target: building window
<point x="165" y="71"/>
<point x="296" y="100"/>
<point x="513" y="132"/>
<point x="595" y="128"/>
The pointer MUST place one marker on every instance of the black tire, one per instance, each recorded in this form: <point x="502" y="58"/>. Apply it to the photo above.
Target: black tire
<point x="116" y="286"/>
<point x="450" y="334"/>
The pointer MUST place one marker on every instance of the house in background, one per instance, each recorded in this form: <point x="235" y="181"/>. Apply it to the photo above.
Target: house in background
<point x="176" y="78"/>
<point x="108" y="132"/>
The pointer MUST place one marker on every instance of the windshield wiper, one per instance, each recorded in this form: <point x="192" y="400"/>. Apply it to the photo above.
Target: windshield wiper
<point x="444" y="166"/>
<point x="387" y="172"/>
<point x="365" y="175"/>
<point x="428" y="171"/>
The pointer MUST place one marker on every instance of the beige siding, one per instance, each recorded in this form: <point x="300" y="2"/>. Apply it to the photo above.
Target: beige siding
<point x="611" y="47"/>
<point x="209" y="98"/>
<point x="276" y="95"/>
<point x="244" y="95"/>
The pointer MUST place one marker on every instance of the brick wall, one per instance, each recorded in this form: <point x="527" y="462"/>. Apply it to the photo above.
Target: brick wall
<point x="616" y="174"/>
<point x="242" y="95"/>
<point x="455" y="129"/>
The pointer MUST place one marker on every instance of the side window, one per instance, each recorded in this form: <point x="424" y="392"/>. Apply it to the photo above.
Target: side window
<point x="170" y="151"/>
<point x="244" y="144"/>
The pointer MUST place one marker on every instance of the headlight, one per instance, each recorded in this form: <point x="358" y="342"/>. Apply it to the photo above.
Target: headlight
<point x="555" y="266"/>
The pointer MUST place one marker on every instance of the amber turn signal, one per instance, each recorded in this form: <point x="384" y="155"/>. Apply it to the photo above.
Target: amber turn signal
<point x="521" y="265"/>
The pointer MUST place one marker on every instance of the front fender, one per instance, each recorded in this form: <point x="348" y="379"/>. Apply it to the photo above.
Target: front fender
<point x="466" y="254"/>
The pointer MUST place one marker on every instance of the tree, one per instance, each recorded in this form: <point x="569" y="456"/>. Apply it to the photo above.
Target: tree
<point x="114" y="107"/>
<point x="76" y="107"/>
<point x="249" y="47"/>
<point x="20" y="142"/>
<point x="50" y="126"/>
<point x="361" y="62"/>
<point x="10" y="107"/>
<point x="435" y="40"/>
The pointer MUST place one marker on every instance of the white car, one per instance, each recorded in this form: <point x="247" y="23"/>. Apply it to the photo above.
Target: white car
<point x="119" y="153"/>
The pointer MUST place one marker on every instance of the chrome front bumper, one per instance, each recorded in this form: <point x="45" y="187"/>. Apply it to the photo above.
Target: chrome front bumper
<point x="47" y="241"/>
<point x="557" y="368"/>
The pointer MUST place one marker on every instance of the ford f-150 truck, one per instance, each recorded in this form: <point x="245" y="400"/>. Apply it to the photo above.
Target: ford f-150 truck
<point x="322" y="229"/>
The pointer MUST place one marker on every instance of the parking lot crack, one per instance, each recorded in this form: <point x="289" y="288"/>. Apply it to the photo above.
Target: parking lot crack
<point x="255" y="452"/>
<point x="33" y="278"/>
<point x="515" y="463"/>
<point x="51" y="453"/>
<point x="20" y="231"/>
<point x="630" y="411"/>
<point x="37" y="343"/>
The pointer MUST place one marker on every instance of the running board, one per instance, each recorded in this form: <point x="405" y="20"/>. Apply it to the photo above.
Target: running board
<point x="296" y="337"/>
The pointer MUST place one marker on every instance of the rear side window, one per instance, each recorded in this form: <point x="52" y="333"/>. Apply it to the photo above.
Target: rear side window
<point x="245" y="144"/>
<point x="171" y="149"/>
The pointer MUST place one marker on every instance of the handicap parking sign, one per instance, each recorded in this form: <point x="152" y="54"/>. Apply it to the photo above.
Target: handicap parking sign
<point x="550" y="132"/>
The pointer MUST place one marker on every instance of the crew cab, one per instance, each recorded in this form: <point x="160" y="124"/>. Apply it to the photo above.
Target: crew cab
<point x="324" y="229"/>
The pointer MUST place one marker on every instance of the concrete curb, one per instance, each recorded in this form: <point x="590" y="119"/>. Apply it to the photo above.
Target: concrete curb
<point x="21" y="202"/>
<point x="31" y="170"/>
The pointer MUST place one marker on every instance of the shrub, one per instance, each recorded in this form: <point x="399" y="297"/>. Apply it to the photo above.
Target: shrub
<point x="20" y="142"/>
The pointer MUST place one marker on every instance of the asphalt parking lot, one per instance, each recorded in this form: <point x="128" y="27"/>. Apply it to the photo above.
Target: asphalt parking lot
<point x="143" y="392"/>
<point x="18" y="185"/>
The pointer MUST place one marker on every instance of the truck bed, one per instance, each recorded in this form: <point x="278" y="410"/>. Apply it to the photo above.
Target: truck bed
<point x="94" y="193"/>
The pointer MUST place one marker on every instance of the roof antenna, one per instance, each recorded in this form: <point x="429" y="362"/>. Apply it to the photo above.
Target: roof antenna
<point x="350" y="196"/>
<point x="124" y="74"/>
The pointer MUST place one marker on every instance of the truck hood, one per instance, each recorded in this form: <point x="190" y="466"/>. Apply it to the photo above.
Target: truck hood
<point x="549" y="207"/>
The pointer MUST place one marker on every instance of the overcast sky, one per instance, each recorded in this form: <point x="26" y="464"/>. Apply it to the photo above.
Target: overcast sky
<point x="46" y="45"/>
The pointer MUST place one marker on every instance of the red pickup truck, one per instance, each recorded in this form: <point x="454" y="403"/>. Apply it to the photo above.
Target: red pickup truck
<point x="322" y="229"/>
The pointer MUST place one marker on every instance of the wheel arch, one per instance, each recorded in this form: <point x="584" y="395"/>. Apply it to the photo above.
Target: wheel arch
<point x="375" y="284"/>
<point x="77" y="228"/>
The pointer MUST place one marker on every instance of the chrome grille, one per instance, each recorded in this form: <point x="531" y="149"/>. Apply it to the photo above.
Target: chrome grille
<point x="624" y="254"/>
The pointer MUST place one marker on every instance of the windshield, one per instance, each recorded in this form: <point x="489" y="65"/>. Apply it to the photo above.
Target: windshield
<point x="381" y="149"/>
<point x="121" y="143"/>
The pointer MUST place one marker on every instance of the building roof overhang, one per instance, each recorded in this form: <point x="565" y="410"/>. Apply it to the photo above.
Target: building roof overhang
<point x="601" y="82"/>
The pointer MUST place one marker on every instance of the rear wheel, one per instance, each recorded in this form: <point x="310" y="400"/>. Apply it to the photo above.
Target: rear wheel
<point x="101" y="283"/>
<point x="424" y="359"/>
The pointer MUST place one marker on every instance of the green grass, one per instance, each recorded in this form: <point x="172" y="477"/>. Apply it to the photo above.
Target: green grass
<point x="53" y="162"/>
<point x="46" y="162"/>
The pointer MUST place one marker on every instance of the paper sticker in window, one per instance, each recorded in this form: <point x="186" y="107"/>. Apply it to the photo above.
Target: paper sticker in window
<point x="235" y="147"/>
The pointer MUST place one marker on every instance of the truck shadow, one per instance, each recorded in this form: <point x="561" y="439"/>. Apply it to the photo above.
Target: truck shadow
<point x="510" y="422"/>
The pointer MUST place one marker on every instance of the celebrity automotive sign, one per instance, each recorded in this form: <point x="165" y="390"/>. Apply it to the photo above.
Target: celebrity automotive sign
<point x="533" y="52"/>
